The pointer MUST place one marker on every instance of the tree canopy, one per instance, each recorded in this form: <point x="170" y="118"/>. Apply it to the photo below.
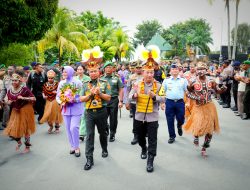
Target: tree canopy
<point x="94" y="21"/>
<point x="17" y="54"/>
<point x="243" y="37"/>
<point x="146" y="31"/>
<point x="189" y="35"/>
<point x="25" y="21"/>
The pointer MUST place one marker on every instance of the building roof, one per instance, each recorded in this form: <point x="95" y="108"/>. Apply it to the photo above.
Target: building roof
<point x="158" y="40"/>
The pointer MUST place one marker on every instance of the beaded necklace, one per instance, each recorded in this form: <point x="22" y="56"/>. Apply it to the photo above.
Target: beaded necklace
<point x="16" y="91"/>
<point x="142" y="87"/>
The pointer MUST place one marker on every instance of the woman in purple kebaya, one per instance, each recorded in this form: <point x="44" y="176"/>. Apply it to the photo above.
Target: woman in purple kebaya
<point x="71" y="111"/>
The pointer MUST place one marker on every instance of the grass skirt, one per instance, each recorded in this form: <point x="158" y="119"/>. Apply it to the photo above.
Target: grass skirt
<point x="21" y="122"/>
<point x="203" y="120"/>
<point x="52" y="113"/>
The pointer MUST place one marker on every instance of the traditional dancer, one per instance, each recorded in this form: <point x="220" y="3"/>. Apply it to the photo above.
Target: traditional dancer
<point x="204" y="118"/>
<point x="52" y="112"/>
<point x="68" y="97"/>
<point x="22" y="119"/>
<point x="146" y="95"/>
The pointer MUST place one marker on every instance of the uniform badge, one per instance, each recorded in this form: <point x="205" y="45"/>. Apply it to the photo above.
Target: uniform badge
<point x="108" y="86"/>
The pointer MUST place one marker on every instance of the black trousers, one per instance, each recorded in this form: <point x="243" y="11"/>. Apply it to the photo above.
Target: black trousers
<point x="133" y="108"/>
<point x="222" y="95"/>
<point x="39" y="106"/>
<point x="227" y="95"/>
<point x="96" y="117"/>
<point x="150" y="128"/>
<point x="235" y="94"/>
<point x="112" y="110"/>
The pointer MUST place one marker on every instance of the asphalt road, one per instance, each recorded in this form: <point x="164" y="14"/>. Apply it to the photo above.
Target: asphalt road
<point x="178" y="166"/>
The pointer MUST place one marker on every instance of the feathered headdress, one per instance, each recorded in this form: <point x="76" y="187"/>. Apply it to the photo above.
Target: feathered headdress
<point x="201" y="65"/>
<point x="51" y="74"/>
<point x="92" y="57"/>
<point x="149" y="56"/>
<point x="16" y="76"/>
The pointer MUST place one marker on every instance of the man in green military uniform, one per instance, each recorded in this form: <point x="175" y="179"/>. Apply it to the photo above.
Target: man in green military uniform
<point x="116" y="98"/>
<point x="96" y="94"/>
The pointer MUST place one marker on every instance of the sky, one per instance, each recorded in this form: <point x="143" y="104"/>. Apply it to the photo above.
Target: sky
<point x="130" y="13"/>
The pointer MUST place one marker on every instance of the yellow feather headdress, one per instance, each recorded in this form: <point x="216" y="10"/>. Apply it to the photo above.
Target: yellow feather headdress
<point x="92" y="57"/>
<point x="149" y="56"/>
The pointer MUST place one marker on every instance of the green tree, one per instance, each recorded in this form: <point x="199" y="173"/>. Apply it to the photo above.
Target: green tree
<point x="175" y="35"/>
<point x="146" y="31"/>
<point x="66" y="34"/>
<point x="123" y="48"/>
<point x="198" y="34"/>
<point x="188" y="35"/>
<point x="243" y="37"/>
<point x="106" y="33"/>
<point x="17" y="54"/>
<point x="25" y="21"/>
<point x="94" y="21"/>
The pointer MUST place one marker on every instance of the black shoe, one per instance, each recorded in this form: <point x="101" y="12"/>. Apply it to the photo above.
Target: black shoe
<point x="105" y="154"/>
<point x="244" y="116"/>
<point x="226" y="106"/>
<point x="234" y="109"/>
<point x="89" y="164"/>
<point x="150" y="163"/>
<point x="72" y="152"/>
<point x="77" y="154"/>
<point x="112" y="138"/>
<point x="180" y="131"/>
<point x="135" y="140"/>
<point x="171" y="140"/>
<point x="81" y="138"/>
<point x="144" y="153"/>
<point x="130" y="115"/>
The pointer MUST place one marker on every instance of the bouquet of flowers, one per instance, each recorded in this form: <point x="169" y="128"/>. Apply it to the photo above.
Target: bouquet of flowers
<point x="69" y="93"/>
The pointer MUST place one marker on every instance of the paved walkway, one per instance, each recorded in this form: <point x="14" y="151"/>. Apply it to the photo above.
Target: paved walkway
<point x="178" y="166"/>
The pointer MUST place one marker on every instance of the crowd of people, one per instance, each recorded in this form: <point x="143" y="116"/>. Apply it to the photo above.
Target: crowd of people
<point x="91" y="93"/>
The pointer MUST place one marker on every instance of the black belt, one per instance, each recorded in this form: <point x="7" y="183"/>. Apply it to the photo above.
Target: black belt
<point x="96" y="110"/>
<point x="176" y="100"/>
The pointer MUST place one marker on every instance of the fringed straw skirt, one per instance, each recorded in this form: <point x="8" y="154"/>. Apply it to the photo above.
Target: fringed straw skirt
<point x="21" y="122"/>
<point x="203" y="120"/>
<point x="52" y="113"/>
